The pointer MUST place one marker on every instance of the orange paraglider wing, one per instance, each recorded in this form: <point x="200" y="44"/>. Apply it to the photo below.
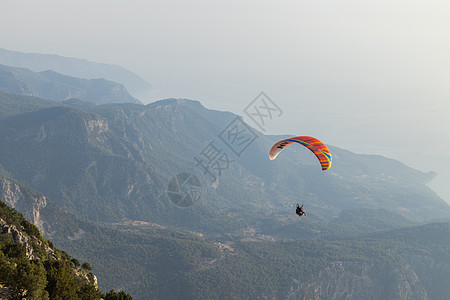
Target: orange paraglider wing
<point x="319" y="149"/>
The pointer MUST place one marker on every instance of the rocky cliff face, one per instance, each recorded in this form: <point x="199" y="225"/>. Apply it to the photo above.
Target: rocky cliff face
<point x="17" y="237"/>
<point x="30" y="205"/>
<point x="26" y="269"/>
<point x="53" y="222"/>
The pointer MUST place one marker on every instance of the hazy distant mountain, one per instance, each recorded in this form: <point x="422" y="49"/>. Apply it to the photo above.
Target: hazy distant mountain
<point x="52" y="221"/>
<point x="75" y="67"/>
<point x="115" y="161"/>
<point x="54" y="86"/>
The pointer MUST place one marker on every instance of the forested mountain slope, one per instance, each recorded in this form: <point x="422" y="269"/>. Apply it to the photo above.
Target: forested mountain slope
<point x="357" y="257"/>
<point x="32" y="268"/>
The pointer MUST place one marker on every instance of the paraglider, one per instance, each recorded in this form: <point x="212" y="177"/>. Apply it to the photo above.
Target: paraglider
<point x="299" y="211"/>
<point x="319" y="149"/>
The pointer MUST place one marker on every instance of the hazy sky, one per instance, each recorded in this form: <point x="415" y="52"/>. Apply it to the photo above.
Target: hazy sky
<point x="369" y="76"/>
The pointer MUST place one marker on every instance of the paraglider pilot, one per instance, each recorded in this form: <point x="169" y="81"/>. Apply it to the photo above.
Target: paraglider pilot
<point x="299" y="211"/>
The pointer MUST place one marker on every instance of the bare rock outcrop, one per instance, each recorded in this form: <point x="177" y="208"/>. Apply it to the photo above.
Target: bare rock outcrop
<point x="30" y="205"/>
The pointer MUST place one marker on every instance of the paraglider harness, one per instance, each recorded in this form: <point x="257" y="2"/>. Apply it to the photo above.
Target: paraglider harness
<point x="299" y="211"/>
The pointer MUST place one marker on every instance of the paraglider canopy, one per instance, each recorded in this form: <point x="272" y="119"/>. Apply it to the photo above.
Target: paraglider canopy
<point x="319" y="149"/>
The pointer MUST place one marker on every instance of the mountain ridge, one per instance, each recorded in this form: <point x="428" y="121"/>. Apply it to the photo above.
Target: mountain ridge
<point x="58" y="87"/>
<point x="75" y="67"/>
<point x="114" y="161"/>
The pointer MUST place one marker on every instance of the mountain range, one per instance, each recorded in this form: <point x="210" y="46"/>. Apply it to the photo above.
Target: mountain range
<point x="75" y="67"/>
<point x="172" y="200"/>
<point x="54" y="86"/>
<point x="112" y="162"/>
